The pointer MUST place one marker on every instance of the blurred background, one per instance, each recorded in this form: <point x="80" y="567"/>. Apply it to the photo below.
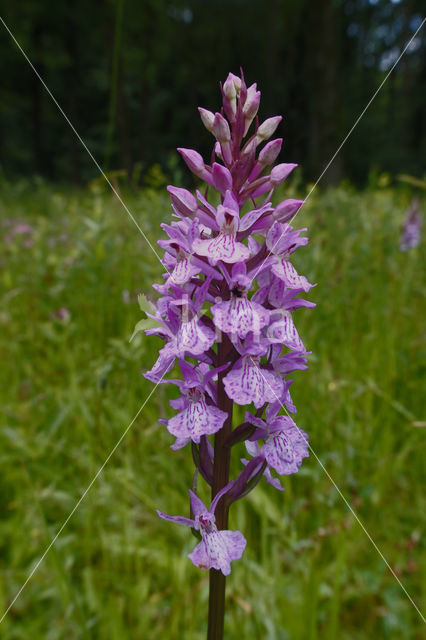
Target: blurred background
<point x="130" y="76"/>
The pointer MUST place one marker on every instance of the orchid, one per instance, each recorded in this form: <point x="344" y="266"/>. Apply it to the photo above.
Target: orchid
<point x="217" y="548"/>
<point x="225" y="315"/>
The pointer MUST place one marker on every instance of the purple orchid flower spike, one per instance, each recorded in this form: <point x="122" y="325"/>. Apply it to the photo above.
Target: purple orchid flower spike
<point x="217" y="548"/>
<point x="225" y="314"/>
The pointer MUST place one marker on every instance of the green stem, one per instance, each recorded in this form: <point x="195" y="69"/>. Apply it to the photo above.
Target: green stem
<point x="222" y="455"/>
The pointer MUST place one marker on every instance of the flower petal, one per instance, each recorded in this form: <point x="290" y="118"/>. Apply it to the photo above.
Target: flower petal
<point x="249" y="383"/>
<point x="164" y="362"/>
<point x="284" y="270"/>
<point x="285" y="449"/>
<point x="223" y="247"/>
<point x="197" y="505"/>
<point x="179" y="519"/>
<point x="217" y="549"/>
<point x="239" y="316"/>
<point x="180" y="443"/>
<point x="200" y="557"/>
<point x="183" y="272"/>
<point x="283" y="331"/>
<point x="219" y="494"/>
<point x="235" y="543"/>
<point x="196" y="420"/>
<point x="194" y="337"/>
<point x="272" y="481"/>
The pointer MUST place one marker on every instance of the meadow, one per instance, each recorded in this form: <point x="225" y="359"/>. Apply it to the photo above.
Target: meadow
<point x="72" y="265"/>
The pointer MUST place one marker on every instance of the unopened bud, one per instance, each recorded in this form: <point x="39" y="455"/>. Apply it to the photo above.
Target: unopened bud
<point x="267" y="128"/>
<point x="221" y="177"/>
<point x="249" y="149"/>
<point x="218" y="150"/>
<point x="220" y="128"/>
<point x="280" y="173"/>
<point x="207" y="118"/>
<point x="196" y="164"/>
<point x="193" y="159"/>
<point x="285" y="210"/>
<point x="270" y="152"/>
<point x="251" y="106"/>
<point x="183" y="201"/>
<point x="237" y="83"/>
<point x="229" y="88"/>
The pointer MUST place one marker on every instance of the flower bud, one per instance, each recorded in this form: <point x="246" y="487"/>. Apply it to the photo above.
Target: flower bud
<point x="252" y="102"/>
<point x="207" y="118"/>
<point x="267" y="128"/>
<point x="280" y="173"/>
<point x="183" y="201"/>
<point x="220" y="128"/>
<point x="250" y="108"/>
<point x="195" y="163"/>
<point x="223" y="134"/>
<point x="287" y="209"/>
<point x="229" y="88"/>
<point x="218" y="150"/>
<point x="222" y="178"/>
<point x="270" y="152"/>
<point x="236" y="81"/>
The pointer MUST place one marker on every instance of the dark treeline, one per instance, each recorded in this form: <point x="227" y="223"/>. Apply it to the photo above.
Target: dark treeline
<point x="130" y="74"/>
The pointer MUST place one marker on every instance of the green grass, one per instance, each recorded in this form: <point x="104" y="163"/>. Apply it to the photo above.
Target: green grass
<point x="70" y="387"/>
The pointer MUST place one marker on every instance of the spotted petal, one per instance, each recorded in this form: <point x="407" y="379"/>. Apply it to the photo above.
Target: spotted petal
<point x="183" y="271"/>
<point x="180" y="443"/>
<point x="249" y="383"/>
<point x="194" y="337"/>
<point x="285" y="449"/>
<point x="196" y="420"/>
<point x="164" y="362"/>
<point x="239" y="316"/>
<point x="223" y="247"/>
<point x="217" y="549"/>
<point x="284" y="270"/>
<point x="283" y="331"/>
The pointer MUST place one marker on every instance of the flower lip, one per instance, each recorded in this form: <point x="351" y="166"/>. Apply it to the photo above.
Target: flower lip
<point x="237" y="291"/>
<point x="229" y="224"/>
<point x="206" y="522"/>
<point x="195" y="394"/>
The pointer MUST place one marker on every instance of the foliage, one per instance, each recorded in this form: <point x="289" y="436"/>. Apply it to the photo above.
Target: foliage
<point x="70" y="385"/>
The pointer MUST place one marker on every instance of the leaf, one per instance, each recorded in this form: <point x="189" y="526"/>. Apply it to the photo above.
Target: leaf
<point x="145" y="305"/>
<point x="147" y="323"/>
